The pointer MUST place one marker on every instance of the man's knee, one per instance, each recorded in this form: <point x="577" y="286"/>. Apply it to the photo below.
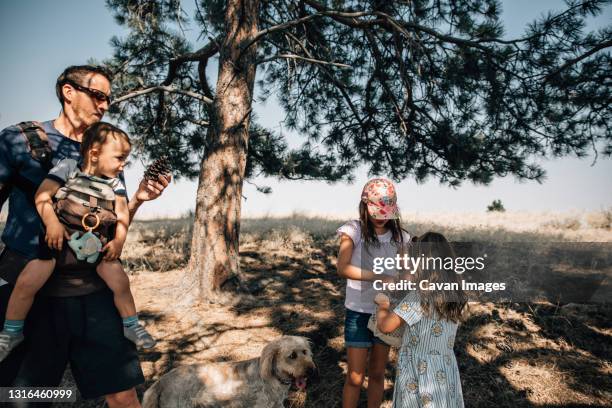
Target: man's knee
<point x="123" y="399"/>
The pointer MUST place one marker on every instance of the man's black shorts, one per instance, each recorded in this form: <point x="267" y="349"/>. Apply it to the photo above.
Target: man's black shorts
<point x="86" y="331"/>
<point x="10" y="365"/>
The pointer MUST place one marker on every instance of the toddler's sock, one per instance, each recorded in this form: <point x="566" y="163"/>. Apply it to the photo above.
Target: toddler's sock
<point x="13" y="326"/>
<point x="130" y="321"/>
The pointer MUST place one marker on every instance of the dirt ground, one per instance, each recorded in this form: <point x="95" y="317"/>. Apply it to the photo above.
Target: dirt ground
<point x="537" y="354"/>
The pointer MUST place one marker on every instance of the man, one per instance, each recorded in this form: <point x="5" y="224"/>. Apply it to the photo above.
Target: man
<point x="76" y="321"/>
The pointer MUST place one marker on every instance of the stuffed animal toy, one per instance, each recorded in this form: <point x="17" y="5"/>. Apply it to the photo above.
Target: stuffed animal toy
<point x="87" y="247"/>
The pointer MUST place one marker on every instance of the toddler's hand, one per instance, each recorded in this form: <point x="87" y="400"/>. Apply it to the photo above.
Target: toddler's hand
<point x="113" y="250"/>
<point x="55" y="236"/>
<point x="382" y="301"/>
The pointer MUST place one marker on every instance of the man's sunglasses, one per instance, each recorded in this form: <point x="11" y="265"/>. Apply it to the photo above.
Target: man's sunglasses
<point x="98" y="95"/>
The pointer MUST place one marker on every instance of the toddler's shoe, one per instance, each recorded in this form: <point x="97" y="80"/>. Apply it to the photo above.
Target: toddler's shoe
<point x="139" y="336"/>
<point x="8" y="341"/>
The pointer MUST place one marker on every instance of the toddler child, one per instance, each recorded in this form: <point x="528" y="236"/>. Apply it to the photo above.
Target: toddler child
<point x="93" y="195"/>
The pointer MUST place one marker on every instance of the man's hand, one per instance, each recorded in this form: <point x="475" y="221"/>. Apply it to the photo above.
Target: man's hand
<point x="55" y="236"/>
<point x="113" y="250"/>
<point x="149" y="190"/>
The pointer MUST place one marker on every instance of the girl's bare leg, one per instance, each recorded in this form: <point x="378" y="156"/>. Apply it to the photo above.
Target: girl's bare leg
<point x="376" y="374"/>
<point x="357" y="360"/>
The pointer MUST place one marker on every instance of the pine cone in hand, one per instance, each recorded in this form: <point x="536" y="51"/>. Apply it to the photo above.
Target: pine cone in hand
<point x="159" y="167"/>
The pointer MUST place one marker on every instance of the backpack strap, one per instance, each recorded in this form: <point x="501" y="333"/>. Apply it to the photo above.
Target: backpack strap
<point x="37" y="144"/>
<point x="5" y="191"/>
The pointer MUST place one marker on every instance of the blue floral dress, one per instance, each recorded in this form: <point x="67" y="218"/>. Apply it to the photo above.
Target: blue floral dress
<point x="427" y="372"/>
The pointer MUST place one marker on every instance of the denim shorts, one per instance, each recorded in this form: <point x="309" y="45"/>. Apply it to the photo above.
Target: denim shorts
<point x="356" y="332"/>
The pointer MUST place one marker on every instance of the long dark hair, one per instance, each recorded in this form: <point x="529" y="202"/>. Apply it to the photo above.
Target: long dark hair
<point x="448" y="304"/>
<point x="368" y="233"/>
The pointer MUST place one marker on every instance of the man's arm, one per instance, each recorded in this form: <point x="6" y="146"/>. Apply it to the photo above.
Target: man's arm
<point x="147" y="190"/>
<point x="7" y="165"/>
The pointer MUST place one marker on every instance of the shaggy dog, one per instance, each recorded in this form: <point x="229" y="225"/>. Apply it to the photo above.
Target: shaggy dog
<point x="262" y="382"/>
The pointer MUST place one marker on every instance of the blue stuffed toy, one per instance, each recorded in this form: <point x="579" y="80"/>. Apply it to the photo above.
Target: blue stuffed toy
<point x="87" y="247"/>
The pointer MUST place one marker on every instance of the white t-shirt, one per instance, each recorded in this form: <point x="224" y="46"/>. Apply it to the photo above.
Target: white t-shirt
<point x="360" y="294"/>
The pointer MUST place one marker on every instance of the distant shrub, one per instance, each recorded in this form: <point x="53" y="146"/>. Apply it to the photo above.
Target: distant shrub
<point x="496" y="206"/>
<point x="600" y="219"/>
<point x="571" y="223"/>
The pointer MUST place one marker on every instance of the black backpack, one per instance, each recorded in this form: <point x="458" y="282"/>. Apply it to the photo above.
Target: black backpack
<point x="38" y="146"/>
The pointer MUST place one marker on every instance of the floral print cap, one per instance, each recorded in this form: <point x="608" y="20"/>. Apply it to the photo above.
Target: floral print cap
<point x="379" y="195"/>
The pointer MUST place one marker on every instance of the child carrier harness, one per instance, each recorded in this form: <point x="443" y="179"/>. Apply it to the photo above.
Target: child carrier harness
<point x="37" y="144"/>
<point x="85" y="205"/>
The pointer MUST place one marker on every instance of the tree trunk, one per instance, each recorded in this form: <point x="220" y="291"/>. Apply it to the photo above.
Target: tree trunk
<point x="214" y="244"/>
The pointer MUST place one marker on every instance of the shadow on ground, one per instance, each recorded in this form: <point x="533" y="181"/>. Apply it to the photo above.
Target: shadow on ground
<point x="543" y="354"/>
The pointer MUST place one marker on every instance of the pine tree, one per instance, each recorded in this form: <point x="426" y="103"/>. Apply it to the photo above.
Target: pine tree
<point x="418" y="88"/>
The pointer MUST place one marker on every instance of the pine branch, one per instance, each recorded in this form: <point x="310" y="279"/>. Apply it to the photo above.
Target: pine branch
<point x="203" y="53"/>
<point x="401" y="26"/>
<point x="377" y="56"/>
<point x="168" y="89"/>
<point x="336" y="82"/>
<point x="576" y="60"/>
<point x="203" y="80"/>
<point x="351" y="19"/>
<point x="330" y="13"/>
<point x="394" y="85"/>
<point x="299" y="57"/>
<point x="198" y="122"/>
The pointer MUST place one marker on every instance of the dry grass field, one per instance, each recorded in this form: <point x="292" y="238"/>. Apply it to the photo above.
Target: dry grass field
<point x="538" y="354"/>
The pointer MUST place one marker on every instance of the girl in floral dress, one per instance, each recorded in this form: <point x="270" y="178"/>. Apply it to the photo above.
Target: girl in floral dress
<point x="427" y="372"/>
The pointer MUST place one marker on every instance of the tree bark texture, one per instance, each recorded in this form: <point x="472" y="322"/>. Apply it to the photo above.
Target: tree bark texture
<point x="214" y="245"/>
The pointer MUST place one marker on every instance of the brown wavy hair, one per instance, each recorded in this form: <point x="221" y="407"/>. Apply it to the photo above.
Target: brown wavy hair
<point x="448" y="304"/>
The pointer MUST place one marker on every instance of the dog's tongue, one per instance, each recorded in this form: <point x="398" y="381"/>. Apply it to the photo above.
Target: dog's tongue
<point x="300" y="383"/>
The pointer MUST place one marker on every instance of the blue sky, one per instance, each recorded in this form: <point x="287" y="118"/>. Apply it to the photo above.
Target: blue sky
<point x="41" y="38"/>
